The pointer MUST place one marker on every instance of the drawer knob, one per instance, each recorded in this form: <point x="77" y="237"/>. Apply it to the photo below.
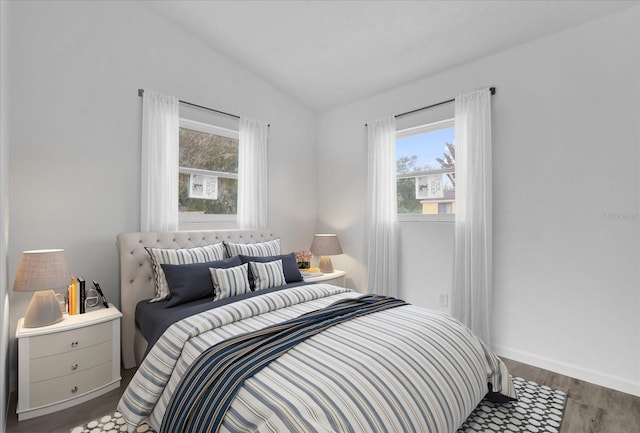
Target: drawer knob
<point x="74" y="367"/>
<point x="74" y="389"/>
<point x="74" y="344"/>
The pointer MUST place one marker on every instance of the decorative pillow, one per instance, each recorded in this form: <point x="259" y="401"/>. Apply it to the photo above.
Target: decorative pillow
<point x="230" y="282"/>
<point x="193" y="281"/>
<point x="267" y="274"/>
<point x="159" y="256"/>
<point x="289" y="265"/>
<point x="261" y="249"/>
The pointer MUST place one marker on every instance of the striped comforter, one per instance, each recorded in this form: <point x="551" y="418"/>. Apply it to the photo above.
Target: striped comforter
<point x="406" y="369"/>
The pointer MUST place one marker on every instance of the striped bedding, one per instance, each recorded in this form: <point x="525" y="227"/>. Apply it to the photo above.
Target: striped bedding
<point x="406" y="369"/>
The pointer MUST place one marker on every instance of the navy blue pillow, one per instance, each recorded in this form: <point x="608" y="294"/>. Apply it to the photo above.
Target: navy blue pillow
<point x="289" y="266"/>
<point x="193" y="281"/>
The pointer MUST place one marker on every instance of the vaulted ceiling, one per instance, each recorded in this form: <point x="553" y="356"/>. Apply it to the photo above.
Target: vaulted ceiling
<point x="326" y="54"/>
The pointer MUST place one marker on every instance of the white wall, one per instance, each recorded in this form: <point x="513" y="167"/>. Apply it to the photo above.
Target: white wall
<point x="4" y="221"/>
<point x="566" y="197"/>
<point x="75" y="118"/>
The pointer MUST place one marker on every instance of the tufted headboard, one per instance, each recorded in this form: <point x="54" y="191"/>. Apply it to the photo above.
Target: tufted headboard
<point x="136" y="277"/>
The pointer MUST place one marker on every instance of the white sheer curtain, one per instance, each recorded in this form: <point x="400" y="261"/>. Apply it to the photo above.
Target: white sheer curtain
<point x="472" y="284"/>
<point x="252" y="174"/>
<point x="159" y="194"/>
<point x="382" y="215"/>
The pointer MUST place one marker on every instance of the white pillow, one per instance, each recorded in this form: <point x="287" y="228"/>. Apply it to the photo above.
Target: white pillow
<point x="168" y="256"/>
<point x="259" y="249"/>
<point x="230" y="282"/>
<point x="268" y="274"/>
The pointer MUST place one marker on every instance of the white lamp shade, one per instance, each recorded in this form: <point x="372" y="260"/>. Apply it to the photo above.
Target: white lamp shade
<point x="42" y="270"/>
<point x="326" y="245"/>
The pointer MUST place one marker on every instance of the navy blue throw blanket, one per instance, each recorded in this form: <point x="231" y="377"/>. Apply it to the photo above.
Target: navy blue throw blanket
<point x="207" y="389"/>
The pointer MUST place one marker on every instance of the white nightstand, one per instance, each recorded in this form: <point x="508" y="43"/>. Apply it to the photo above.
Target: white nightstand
<point x="69" y="362"/>
<point x="336" y="278"/>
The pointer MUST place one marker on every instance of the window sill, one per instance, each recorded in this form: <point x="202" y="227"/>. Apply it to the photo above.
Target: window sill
<point x="444" y="218"/>
<point x="207" y="222"/>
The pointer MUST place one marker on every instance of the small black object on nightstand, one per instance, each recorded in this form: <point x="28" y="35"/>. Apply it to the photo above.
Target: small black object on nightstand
<point x="99" y="290"/>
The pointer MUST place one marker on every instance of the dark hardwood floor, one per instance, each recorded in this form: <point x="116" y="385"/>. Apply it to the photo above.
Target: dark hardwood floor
<point x="590" y="408"/>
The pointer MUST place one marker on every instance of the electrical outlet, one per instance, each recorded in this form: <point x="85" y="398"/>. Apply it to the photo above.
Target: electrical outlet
<point x="444" y="299"/>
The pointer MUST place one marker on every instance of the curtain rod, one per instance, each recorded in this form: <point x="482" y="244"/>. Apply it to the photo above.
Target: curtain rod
<point x="491" y="89"/>
<point x="141" y="92"/>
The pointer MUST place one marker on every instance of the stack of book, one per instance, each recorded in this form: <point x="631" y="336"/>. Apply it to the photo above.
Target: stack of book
<point x="311" y="272"/>
<point x="77" y="296"/>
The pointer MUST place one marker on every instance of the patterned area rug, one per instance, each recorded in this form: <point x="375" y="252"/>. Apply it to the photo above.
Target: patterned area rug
<point x="539" y="409"/>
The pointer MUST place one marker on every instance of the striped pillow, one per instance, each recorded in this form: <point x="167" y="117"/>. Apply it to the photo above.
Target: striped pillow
<point x="261" y="249"/>
<point x="160" y="256"/>
<point x="267" y="274"/>
<point x="230" y="282"/>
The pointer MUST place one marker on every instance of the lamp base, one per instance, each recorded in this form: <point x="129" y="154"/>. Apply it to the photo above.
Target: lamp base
<point x="43" y="310"/>
<point x="325" y="265"/>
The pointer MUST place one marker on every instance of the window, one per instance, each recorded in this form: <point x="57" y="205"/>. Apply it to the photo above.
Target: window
<point x="425" y="163"/>
<point x="208" y="175"/>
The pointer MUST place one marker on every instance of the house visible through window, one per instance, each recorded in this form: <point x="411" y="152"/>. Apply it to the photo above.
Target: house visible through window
<point x="208" y="174"/>
<point x="425" y="163"/>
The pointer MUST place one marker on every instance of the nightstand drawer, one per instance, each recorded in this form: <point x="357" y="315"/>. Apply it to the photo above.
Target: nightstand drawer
<point x="69" y="363"/>
<point x="61" y="388"/>
<point x="74" y="339"/>
<point x="338" y="281"/>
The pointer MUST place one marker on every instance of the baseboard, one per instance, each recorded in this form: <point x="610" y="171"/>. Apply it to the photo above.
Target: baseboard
<point x="603" y="379"/>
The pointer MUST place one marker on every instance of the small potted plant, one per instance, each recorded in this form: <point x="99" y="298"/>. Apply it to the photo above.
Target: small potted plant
<point x="303" y="258"/>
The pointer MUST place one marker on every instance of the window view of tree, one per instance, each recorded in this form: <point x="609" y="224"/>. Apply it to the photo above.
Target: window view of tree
<point x="406" y="186"/>
<point x="213" y="153"/>
<point x="449" y="161"/>
<point x="425" y="165"/>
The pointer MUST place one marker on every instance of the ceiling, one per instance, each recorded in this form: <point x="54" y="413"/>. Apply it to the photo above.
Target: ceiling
<point x="326" y="54"/>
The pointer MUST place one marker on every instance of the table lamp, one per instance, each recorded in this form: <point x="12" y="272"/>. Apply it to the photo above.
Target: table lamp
<point x="325" y="245"/>
<point x="42" y="271"/>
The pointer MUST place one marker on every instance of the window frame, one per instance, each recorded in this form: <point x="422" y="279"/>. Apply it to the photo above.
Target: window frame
<point x="207" y="221"/>
<point x="422" y="129"/>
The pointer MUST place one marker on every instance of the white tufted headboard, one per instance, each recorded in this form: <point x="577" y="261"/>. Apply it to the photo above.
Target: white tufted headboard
<point x="136" y="277"/>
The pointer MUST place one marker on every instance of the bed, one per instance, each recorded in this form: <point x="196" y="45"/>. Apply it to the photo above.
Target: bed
<point x="390" y="367"/>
